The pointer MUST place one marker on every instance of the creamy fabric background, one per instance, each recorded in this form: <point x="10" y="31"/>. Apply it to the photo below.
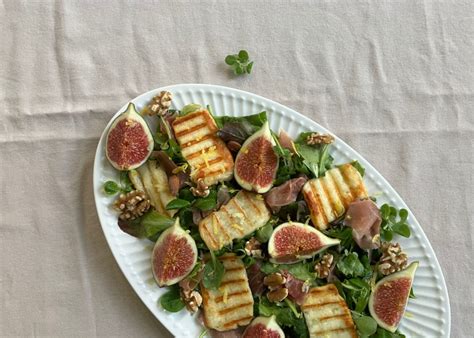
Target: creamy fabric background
<point x="394" y="79"/>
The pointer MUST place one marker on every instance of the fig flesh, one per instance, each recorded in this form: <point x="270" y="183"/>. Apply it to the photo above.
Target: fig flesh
<point x="389" y="297"/>
<point x="256" y="163"/>
<point x="174" y="256"/>
<point x="292" y="242"/>
<point x="129" y="141"/>
<point x="264" y="327"/>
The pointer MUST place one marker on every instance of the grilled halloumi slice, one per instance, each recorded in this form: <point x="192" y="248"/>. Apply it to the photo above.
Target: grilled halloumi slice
<point x="232" y="304"/>
<point x="205" y="152"/>
<point x="329" y="196"/>
<point x="242" y="215"/>
<point x="327" y="314"/>
<point x="151" y="178"/>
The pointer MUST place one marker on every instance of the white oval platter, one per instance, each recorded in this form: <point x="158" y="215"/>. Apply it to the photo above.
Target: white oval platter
<point x="426" y="316"/>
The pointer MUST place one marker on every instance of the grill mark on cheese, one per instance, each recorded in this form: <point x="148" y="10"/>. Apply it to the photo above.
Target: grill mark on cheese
<point x="242" y="211"/>
<point x="328" y="198"/>
<point x="214" y="243"/>
<point x="346" y="171"/>
<point x="339" y="189"/>
<point x="188" y="117"/>
<point x="320" y="208"/>
<point x="250" y="201"/>
<point x="196" y="141"/>
<point x="203" y="165"/>
<point x="190" y="130"/>
<point x="232" y="281"/>
<point x="324" y="332"/>
<point x="310" y="306"/>
<point x="230" y="295"/>
<point x="341" y="316"/>
<point x="221" y="227"/>
<point x="336" y="195"/>
<point x="235" y="307"/>
<point x="232" y="220"/>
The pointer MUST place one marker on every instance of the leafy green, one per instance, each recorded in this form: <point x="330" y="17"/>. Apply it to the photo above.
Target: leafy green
<point x="186" y="194"/>
<point x="177" y="203"/>
<point x="213" y="272"/>
<point x="366" y="325"/>
<point x="351" y="266"/>
<point x="390" y="225"/>
<point x="285" y="317"/>
<point x="382" y="333"/>
<point x="189" y="108"/>
<point x="316" y="158"/>
<point x="207" y="203"/>
<point x="302" y="270"/>
<point x="356" y="292"/>
<point x="359" y="167"/>
<point x="111" y="188"/>
<point x="263" y="234"/>
<point x="124" y="185"/>
<point x="412" y="293"/>
<point x="171" y="301"/>
<point x="255" y="120"/>
<point x="154" y="223"/>
<point x="342" y="233"/>
<point x="240" y="62"/>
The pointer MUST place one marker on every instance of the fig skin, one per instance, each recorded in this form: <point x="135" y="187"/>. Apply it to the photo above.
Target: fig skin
<point x="306" y="250"/>
<point x="161" y="259"/>
<point x="273" y="330"/>
<point x="252" y="171"/>
<point x="406" y="276"/>
<point x="118" y="147"/>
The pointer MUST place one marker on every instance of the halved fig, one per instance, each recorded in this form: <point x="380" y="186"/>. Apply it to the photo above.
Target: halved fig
<point x="389" y="297"/>
<point x="263" y="327"/>
<point x="129" y="140"/>
<point x="174" y="255"/>
<point x="256" y="163"/>
<point x="292" y="242"/>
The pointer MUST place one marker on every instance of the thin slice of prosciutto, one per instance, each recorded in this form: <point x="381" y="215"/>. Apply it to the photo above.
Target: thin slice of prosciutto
<point x="285" y="194"/>
<point x="363" y="216"/>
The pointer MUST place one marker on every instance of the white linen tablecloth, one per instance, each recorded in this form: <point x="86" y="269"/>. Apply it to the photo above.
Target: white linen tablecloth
<point x="394" y="79"/>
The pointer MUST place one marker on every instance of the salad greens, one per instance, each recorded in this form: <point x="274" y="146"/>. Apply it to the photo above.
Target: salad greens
<point x="124" y="185"/>
<point x="353" y="270"/>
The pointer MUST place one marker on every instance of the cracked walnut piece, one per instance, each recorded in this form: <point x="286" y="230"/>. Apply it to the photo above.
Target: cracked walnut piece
<point x="253" y="248"/>
<point x="132" y="205"/>
<point x="201" y="189"/>
<point x="393" y="258"/>
<point x="160" y="104"/>
<point x="316" y="138"/>
<point x="323" y="267"/>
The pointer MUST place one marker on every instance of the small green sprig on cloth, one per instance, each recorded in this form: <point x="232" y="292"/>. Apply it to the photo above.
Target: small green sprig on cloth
<point x="240" y="63"/>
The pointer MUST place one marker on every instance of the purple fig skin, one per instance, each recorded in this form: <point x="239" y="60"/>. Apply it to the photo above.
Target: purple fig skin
<point x="292" y="242"/>
<point x="256" y="163"/>
<point x="264" y="327"/>
<point x="174" y="256"/>
<point x="129" y="141"/>
<point x="389" y="297"/>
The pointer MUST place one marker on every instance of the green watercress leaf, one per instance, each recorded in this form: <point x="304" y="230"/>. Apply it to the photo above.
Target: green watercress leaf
<point x="350" y="265"/>
<point x="366" y="325"/>
<point x="213" y="273"/>
<point x="177" y="203"/>
<point x="240" y="63"/>
<point x="255" y="120"/>
<point x="154" y="224"/>
<point x="390" y="225"/>
<point x="263" y="234"/>
<point x="359" y="167"/>
<point x="189" y="108"/>
<point x="171" y="301"/>
<point x="111" y="188"/>
<point x="356" y="293"/>
<point x="382" y="333"/>
<point x="207" y="203"/>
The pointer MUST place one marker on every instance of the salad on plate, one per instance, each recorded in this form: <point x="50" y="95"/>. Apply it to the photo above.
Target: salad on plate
<point x="257" y="233"/>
